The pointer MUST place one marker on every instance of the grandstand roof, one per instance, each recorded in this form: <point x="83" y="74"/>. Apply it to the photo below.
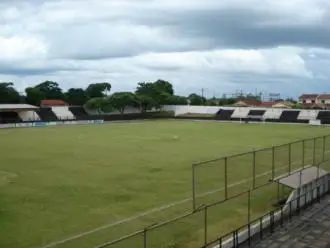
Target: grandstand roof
<point x="303" y="177"/>
<point x="53" y="102"/>
<point x="4" y="107"/>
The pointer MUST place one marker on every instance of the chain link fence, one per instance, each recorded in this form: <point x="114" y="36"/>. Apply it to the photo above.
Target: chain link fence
<point x="231" y="192"/>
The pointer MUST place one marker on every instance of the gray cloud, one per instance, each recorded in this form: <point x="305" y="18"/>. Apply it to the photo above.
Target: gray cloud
<point x="224" y="44"/>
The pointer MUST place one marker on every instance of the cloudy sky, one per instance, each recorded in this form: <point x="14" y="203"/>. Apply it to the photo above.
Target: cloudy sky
<point x="220" y="45"/>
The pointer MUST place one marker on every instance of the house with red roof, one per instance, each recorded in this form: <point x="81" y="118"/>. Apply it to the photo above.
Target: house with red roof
<point x="323" y="99"/>
<point x="318" y="101"/>
<point x="308" y="98"/>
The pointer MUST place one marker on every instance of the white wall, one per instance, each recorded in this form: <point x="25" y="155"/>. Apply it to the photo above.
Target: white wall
<point x="273" y="113"/>
<point x="128" y="110"/>
<point x="241" y="113"/>
<point x="28" y="115"/>
<point x="306" y="114"/>
<point x="63" y="113"/>
<point x="189" y="109"/>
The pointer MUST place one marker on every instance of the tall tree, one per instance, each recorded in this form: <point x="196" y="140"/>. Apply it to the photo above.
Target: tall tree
<point x="34" y="96"/>
<point x="195" y="99"/>
<point x="8" y="93"/>
<point x="121" y="100"/>
<point x="176" y="100"/>
<point x="50" y="90"/>
<point x="97" y="103"/>
<point x="98" y="90"/>
<point x="144" y="102"/>
<point x="76" y="96"/>
<point x="164" y="86"/>
<point x="159" y="91"/>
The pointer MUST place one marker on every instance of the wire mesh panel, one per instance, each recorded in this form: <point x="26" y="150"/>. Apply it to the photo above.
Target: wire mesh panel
<point x="239" y="173"/>
<point x="182" y="232"/>
<point x="264" y="166"/>
<point x="282" y="159"/>
<point x="209" y="182"/>
<point x="325" y="165"/>
<point x="262" y="200"/>
<point x="319" y="148"/>
<point x="226" y="216"/>
<point x="296" y="156"/>
<point x="327" y="147"/>
<point x="308" y="152"/>
<point x="135" y="240"/>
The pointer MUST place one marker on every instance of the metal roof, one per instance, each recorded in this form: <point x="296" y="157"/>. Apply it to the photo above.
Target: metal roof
<point x="303" y="177"/>
<point x="17" y="107"/>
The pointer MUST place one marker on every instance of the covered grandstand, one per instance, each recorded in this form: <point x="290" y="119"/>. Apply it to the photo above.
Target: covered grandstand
<point x="16" y="113"/>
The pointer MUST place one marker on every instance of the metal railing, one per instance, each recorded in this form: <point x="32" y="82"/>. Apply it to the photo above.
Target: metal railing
<point x="223" y="177"/>
<point x="260" y="228"/>
<point x="230" y="194"/>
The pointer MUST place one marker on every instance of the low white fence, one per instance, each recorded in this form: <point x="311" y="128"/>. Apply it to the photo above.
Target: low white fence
<point x="54" y="123"/>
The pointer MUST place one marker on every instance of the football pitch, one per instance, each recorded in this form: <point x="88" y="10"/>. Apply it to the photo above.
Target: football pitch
<point x="57" y="182"/>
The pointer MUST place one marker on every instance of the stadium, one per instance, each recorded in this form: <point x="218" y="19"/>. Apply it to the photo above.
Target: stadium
<point x="164" y="124"/>
<point x="188" y="176"/>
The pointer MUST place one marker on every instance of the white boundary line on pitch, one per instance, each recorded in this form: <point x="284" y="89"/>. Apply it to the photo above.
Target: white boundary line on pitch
<point x="154" y="210"/>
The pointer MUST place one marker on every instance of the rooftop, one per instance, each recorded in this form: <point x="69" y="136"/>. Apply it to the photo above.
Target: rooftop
<point x="7" y="107"/>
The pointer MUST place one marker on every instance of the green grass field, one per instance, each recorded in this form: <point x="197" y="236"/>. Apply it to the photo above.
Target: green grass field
<point x="56" y="182"/>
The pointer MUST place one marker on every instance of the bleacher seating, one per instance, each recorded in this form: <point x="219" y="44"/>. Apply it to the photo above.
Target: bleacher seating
<point x="28" y="116"/>
<point x="290" y="116"/>
<point x="240" y="114"/>
<point x="224" y="114"/>
<point x="324" y="116"/>
<point x="308" y="114"/>
<point x="9" y="117"/>
<point x="63" y="113"/>
<point x="273" y="115"/>
<point x="81" y="114"/>
<point x="256" y="112"/>
<point x="46" y="114"/>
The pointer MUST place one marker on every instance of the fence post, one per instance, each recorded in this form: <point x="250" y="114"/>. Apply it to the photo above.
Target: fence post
<point x="290" y="210"/>
<point x="290" y="158"/>
<point x="314" y="150"/>
<point x="273" y="162"/>
<point x="193" y="187"/>
<point x="298" y="200"/>
<point x="205" y="225"/>
<point x="254" y="169"/>
<point x="261" y="228"/>
<point x="249" y="233"/>
<point x="145" y="238"/>
<point x="323" y="151"/>
<point x="278" y="191"/>
<point x="303" y="154"/>
<point x="249" y="206"/>
<point x="226" y="178"/>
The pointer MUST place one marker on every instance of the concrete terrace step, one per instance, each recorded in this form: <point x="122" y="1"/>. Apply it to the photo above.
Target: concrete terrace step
<point x="310" y="229"/>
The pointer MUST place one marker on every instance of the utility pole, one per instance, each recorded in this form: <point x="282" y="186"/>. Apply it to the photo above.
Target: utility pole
<point x="203" y="96"/>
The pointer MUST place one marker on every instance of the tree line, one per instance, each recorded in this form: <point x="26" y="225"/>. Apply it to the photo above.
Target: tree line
<point x="147" y="95"/>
